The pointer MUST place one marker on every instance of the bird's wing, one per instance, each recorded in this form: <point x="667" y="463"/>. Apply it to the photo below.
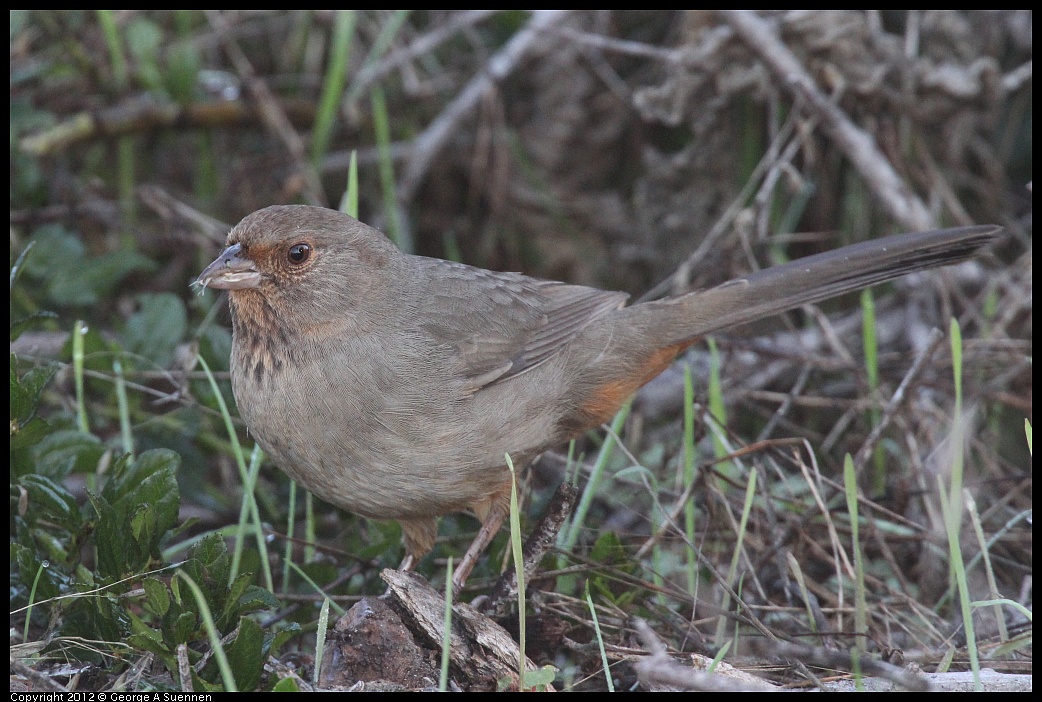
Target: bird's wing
<point x="503" y="324"/>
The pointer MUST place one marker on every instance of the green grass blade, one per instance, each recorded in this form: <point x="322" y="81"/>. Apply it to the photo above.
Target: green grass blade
<point x="600" y="640"/>
<point x="689" y="479"/>
<point x="747" y="508"/>
<point x="79" y="330"/>
<point x="349" y="202"/>
<point x="317" y="588"/>
<point x="291" y="527"/>
<point x="320" y="639"/>
<point x="860" y="596"/>
<point x="519" y="568"/>
<point x="870" y="346"/>
<point x="244" y="476"/>
<point x="955" y="490"/>
<point x="962" y="585"/>
<point x="446" y="631"/>
<point x="570" y="536"/>
<point x="126" y="435"/>
<point x="332" y="85"/>
<point x="211" y="632"/>
<point x="382" y="127"/>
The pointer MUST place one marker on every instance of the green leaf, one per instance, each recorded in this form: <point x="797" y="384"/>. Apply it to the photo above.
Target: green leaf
<point x="66" y="451"/>
<point x="143" y="39"/>
<point x="236" y="590"/>
<point x="202" y="685"/>
<point x="92" y="278"/>
<point x="127" y="475"/>
<point x="183" y="61"/>
<point x="19" y="327"/>
<point x="95" y="618"/>
<point x="157" y="596"/>
<point x="541" y="677"/>
<point x="175" y="589"/>
<point x="286" y="684"/>
<point x="216" y="346"/>
<point x="29" y="564"/>
<point x="147" y="638"/>
<point x="245" y="654"/>
<point x="155" y="646"/>
<point x="108" y="539"/>
<point x="26" y="389"/>
<point x="608" y="549"/>
<point x="212" y="555"/>
<point x="26" y="436"/>
<point x="51" y="502"/>
<point x="281" y="637"/>
<point x="147" y="492"/>
<point x="208" y="564"/>
<point x="139" y="628"/>
<point x="137" y="507"/>
<point x="257" y="598"/>
<point x="55" y="247"/>
<point x="185" y="627"/>
<point x="155" y="330"/>
<point x="143" y="525"/>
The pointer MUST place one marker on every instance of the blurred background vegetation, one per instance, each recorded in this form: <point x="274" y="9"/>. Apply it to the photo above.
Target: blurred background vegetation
<point x="632" y="150"/>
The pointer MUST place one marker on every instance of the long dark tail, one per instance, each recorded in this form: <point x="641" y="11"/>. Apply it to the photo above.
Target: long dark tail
<point x="817" y="278"/>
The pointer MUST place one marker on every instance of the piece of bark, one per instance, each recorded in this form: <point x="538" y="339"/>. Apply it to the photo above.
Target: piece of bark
<point x="397" y="639"/>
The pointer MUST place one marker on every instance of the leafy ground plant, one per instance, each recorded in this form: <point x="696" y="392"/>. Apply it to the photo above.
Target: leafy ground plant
<point x="645" y="151"/>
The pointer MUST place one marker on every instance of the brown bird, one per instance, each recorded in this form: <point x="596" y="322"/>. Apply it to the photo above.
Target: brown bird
<point x="393" y="385"/>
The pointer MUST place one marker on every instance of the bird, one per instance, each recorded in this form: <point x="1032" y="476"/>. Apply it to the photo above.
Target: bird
<point x="394" y="386"/>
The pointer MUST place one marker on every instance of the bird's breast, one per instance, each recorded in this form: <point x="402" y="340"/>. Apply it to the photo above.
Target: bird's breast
<point x="379" y="428"/>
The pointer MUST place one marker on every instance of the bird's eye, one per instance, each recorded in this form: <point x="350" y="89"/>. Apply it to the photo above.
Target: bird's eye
<point x="298" y="254"/>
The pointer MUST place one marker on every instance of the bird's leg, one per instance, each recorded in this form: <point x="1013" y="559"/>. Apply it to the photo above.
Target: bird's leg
<point x="418" y="535"/>
<point x="489" y="528"/>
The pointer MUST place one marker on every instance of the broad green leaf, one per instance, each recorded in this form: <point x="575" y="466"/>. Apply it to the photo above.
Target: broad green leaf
<point x="245" y="654"/>
<point x="29" y="564"/>
<point x="18" y="328"/>
<point x="153" y="646"/>
<point x="143" y="39"/>
<point x="183" y="61"/>
<point x="27" y="435"/>
<point x="26" y="389"/>
<point x="95" y="618"/>
<point x="157" y="596"/>
<point x="185" y="627"/>
<point x="286" y="684"/>
<point x="49" y="501"/>
<point x="67" y="451"/>
<point x="257" y="598"/>
<point x="137" y="507"/>
<point x="155" y="330"/>
<point x="212" y="555"/>
<point x="278" y="639"/>
<point x="236" y="590"/>
<point x="112" y="542"/>
<point x="72" y="277"/>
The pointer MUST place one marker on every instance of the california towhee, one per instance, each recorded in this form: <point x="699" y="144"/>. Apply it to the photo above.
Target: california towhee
<point x="393" y="385"/>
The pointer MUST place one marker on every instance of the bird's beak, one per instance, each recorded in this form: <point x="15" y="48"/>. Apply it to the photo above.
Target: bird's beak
<point x="232" y="270"/>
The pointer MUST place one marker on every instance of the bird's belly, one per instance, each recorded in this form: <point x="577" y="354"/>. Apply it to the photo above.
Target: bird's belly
<point x="385" y="444"/>
<point x="354" y="451"/>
